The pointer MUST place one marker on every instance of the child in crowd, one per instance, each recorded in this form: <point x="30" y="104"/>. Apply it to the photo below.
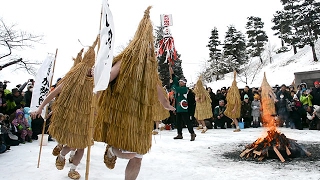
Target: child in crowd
<point x="256" y="105"/>
<point x="27" y="115"/>
<point x="22" y="127"/>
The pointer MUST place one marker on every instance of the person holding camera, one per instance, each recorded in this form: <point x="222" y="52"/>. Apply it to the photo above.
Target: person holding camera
<point x="306" y="98"/>
<point x="313" y="115"/>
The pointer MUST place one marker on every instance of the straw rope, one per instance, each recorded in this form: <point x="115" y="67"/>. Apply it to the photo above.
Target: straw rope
<point x="70" y="120"/>
<point x="125" y="109"/>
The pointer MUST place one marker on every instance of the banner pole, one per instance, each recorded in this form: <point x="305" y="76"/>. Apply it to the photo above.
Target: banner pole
<point x="92" y="115"/>
<point x="44" y="123"/>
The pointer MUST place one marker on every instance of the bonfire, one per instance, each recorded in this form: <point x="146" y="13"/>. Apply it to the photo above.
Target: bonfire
<point x="274" y="144"/>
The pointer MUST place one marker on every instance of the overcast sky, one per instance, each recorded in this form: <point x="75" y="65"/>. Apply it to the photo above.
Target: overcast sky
<point x="63" y="22"/>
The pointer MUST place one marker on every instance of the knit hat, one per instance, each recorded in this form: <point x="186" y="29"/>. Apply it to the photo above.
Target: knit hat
<point x="256" y="96"/>
<point x="245" y="96"/>
<point x="316" y="82"/>
<point x="295" y="97"/>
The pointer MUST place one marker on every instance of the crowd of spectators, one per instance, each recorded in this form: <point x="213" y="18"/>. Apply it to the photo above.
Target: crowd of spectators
<point x="296" y="107"/>
<point x="16" y="126"/>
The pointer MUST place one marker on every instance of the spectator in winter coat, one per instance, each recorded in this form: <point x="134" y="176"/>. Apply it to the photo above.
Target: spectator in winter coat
<point x="316" y="93"/>
<point x="296" y="113"/>
<point x="247" y="91"/>
<point x="246" y="111"/>
<point x="28" y="96"/>
<point x="313" y="114"/>
<point x="219" y="118"/>
<point x="284" y="92"/>
<point x="299" y="91"/>
<point x="282" y="110"/>
<point x="306" y="98"/>
<point x="17" y="97"/>
<point x="256" y="105"/>
<point x="214" y="102"/>
<point x="2" y="102"/>
<point x="220" y="96"/>
<point x="22" y="126"/>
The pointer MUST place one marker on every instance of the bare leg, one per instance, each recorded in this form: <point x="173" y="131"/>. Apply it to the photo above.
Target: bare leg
<point x="65" y="150"/>
<point x="202" y="123"/>
<point x="122" y="155"/>
<point x="237" y="125"/>
<point x="133" y="168"/>
<point x="78" y="156"/>
<point x="236" y="122"/>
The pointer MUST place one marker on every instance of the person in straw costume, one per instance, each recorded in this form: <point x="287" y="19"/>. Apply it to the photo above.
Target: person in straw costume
<point x="70" y="120"/>
<point x="268" y="100"/>
<point x="57" y="149"/>
<point x="203" y="104"/>
<point x="233" y="107"/>
<point x="125" y="109"/>
<point x="160" y="113"/>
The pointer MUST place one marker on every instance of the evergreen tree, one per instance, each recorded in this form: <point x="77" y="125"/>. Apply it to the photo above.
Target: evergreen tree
<point x="216" y="69"/>
<point x="282" y="26"/>
<point x="308" y="19"/>
<point x="214" y="57"/>
<point x="213" y="45"/>
<point x="234" y="49"/>
<point x="257" y="37"/>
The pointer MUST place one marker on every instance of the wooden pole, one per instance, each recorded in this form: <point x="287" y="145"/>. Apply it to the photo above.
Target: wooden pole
<point x="44" y="123"/>
<point x="92" y="116"/>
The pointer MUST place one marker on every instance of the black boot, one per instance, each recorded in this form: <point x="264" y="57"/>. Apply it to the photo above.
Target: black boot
<point x="193" y="137"/>
<point x="179" y="136"/>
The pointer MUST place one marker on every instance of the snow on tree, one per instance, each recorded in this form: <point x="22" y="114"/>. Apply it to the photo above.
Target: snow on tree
<point x="257" y="37"/>
<point x="234" y="49"/>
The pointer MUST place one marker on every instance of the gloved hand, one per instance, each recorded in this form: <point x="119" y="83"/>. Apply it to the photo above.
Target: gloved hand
<point x="29" y="128"/>
<point x="20" y="127"/>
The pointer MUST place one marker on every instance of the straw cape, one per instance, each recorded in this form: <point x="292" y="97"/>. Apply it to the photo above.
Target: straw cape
<point x="125" y="109"/>
<point x="160" y="113"/>
<point x="233" y="100"/>
<point x="70" y="120"/>
<point x="203" y="106"/>
<point x="267" y="102"/>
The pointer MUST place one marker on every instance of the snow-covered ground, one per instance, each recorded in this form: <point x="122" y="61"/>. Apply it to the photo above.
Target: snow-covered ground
<point x="171" y="159"/>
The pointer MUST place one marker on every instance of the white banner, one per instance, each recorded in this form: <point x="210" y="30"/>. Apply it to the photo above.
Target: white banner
<point x="103" y="63"/>
<point x="42" y="84"/>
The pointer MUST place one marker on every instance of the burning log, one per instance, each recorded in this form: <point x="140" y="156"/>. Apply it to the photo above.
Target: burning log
<point x="274" y="144"/>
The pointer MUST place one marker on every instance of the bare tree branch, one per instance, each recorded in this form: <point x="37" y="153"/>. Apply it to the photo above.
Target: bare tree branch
<point x="9" y="51"/>
<point x="16" y="39"/>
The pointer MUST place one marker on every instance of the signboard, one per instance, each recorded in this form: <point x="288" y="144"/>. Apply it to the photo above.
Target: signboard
<point x="166" y="20"/>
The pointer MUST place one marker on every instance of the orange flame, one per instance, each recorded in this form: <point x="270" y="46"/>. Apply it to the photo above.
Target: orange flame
<point x="268" y="100"/>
